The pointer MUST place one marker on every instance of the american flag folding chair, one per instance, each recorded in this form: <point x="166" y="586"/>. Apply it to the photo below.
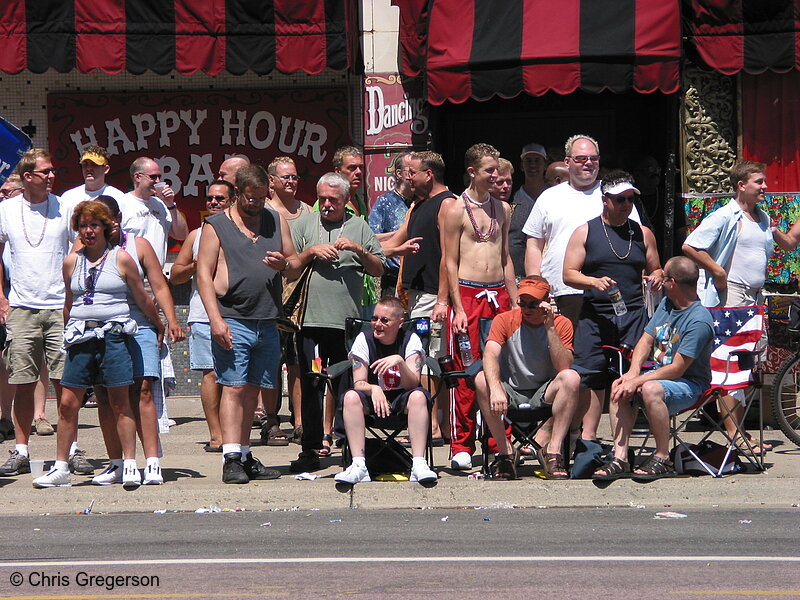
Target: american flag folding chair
<point x="735" y="364"/>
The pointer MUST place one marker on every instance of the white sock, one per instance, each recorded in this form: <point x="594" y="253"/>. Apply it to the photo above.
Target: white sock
<point x="22" y="449"/>
<point x="419" y="461"/>
<point x="73" y="448"/>
<point x="152" y="460"/>
<point x="118" y="462"/>
<point x="245" y="451"/>
<point x="228" y="448"/>
<point x="359" y="461"/>
<point x="61" y="465"/>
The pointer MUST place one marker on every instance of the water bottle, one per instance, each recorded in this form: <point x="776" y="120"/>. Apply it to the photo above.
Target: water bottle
<point x="616" y="300"/>
<point x="465" y="349"/>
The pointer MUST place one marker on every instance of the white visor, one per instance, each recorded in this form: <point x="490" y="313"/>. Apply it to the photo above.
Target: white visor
<point x="623" y="186"/>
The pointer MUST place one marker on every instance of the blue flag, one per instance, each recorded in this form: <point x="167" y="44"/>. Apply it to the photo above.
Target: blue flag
<point x="13" y="144"/>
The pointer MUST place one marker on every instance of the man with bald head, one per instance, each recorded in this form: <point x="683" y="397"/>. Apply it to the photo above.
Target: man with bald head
<point x="556" y="173"/>
<point x="228" y="168"/>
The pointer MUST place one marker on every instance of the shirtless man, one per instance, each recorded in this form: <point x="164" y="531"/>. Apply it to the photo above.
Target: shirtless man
<point x="480" y="279"/>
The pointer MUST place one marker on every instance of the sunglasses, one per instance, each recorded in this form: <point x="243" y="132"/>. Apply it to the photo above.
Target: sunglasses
<point x="89" y="283"/>
<point x="154" y="177"/>
<point x="219" y="199"/>
<point x="384" y="320"/>
<point x="533" y="304"/>
<point x="44" y="172"/>
<point x="583" y="158"/>
<point x="621" y="199"/>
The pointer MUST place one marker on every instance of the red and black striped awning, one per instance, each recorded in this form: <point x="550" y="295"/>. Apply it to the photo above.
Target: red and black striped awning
<point x="478" y="49"/>
<point x="751" y="35"/>
<point x="182" y="35"/>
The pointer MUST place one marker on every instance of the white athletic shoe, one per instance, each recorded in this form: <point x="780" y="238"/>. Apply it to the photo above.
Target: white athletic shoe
<point x="53" y="478"/>
<point x="353" y="474"/>
<point x="423" y="473"/>
<point x="461" y="461"/>
<point x="152" y="475"/>
<point x="131" y="479"/>
<point x="112" y="474"/>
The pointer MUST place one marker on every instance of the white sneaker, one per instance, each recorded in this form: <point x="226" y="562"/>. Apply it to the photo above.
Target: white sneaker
<point x="53" y="478"/>
<point x="112" y="474"/>
<point x="131" y="479"/>
<point x="461" y="461"/>
<point x="423" y="473"/>
<point x="152" y="475"/>
<point x="353" y="474"/>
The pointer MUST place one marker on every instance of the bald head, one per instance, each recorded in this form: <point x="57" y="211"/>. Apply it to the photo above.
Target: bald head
<point x="228" y="168"/>
<point x="556" y="173"/>
<point x="683" y="270"/>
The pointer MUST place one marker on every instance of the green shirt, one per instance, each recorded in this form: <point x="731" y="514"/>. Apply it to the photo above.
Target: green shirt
<point x="335" y="289"/>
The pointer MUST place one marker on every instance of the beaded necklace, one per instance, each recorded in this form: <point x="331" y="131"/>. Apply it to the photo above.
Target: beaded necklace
<point x="492" y="230"/>
<point x="630" y="239"/>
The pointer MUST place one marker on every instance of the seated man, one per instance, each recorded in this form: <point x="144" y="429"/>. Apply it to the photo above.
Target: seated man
<point x="527" y="360"/>
<point x="680" y="335"/>
<point x="386" y="375"/>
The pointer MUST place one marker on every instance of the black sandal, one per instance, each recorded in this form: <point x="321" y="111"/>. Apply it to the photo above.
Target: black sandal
<point x="503" y="468"/>
<point x="326" y="450"/>
<point x="654" y="468"/>
<point x="616" y="468"/>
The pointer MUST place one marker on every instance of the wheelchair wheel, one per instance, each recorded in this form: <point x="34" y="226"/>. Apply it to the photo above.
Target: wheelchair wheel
<point x="786" y="398"/>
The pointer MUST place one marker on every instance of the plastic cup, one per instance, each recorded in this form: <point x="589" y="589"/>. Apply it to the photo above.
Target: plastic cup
<point x="160" y="185"/>
<point x="37" y="468"/>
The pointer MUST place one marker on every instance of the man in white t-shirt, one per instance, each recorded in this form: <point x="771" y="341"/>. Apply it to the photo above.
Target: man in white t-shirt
<point x="153" y="212"/>
<point x="386" y="373"/>
<point x="557" y="213"/>
<point x="34" y="227"/>
<point x="94" y="167"/>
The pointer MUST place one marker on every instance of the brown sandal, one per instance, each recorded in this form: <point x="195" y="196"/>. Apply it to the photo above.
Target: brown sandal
<point x="503" y="468"/>
<point x="552" y="464"/>
<point x="616" y="468"/>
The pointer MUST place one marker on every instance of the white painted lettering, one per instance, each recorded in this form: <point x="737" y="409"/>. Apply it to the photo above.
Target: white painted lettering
<point x="115" y="135"/>
<point x="315" y="137"/>
<point x="228" y="125"/>
<point x="186" y="117"/>
<point x="145" y="126"/>
<point x="201" y="172"/>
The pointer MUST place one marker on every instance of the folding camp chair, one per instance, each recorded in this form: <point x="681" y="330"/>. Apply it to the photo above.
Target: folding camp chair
<point x="735" y="364"/>
<point x="383" y="431"/>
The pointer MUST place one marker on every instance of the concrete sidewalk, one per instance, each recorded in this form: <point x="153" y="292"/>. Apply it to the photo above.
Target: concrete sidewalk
<point x="193" y="480"/>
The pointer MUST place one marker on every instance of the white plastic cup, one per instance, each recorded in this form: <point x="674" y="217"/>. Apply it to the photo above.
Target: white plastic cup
<point x="37" y="468"/>
<point x="160" y="185"/>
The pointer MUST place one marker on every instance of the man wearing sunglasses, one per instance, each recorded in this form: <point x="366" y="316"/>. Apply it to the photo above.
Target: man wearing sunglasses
<point x="557" y="213"/>
<point x="386" y="380"/>
<point x="34" y="227"/>
<point x="527" y="361"/>
<point x="609" y="250"/>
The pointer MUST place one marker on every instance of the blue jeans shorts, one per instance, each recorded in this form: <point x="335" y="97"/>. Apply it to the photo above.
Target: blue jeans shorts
<point x="144" y="353"/>
<point x="99" y="362"/>
<point x="200" y="358"/>
<point x="679" y="394"/>
<point x="255" y="355"/>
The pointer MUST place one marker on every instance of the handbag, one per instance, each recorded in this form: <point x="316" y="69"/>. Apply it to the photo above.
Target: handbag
<point x="710" y="456"/>
<point x="295" y="299"/>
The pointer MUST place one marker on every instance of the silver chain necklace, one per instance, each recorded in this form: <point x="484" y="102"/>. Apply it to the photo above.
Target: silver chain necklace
<point x="44" y="227"/>
<point x="630" y="239"/>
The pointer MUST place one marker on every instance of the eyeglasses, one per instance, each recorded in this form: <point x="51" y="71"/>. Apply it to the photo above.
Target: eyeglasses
<point x="665" y="277"/>
<point x="583" y="158"/>
<point x="288" y="177"/>
<point x="529" y="305"/>
<point x="384" y="320"/>
<point x="44" y="172"/>
<point x="153" y="177"/>
<point x="621" y="199"/>
<point x="219" y="199"/>
<point x="88" y="284"/>
<point x="8" y="193"/>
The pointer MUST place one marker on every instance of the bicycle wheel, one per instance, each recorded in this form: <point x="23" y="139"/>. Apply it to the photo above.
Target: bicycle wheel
<point x="786" y="398"/>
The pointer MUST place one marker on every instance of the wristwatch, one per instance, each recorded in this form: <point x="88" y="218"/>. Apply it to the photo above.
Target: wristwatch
<point x="174" y="205"/>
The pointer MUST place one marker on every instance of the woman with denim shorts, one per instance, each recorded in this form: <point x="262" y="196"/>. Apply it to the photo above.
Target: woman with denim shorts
<point x="97" y="278"/>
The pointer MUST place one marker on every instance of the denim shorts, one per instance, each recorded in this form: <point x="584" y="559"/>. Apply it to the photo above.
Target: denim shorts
<point x="255" y="355"/>
<point x="144" y="353"/>
<point x="679" y="394"/>
<point x="200" y="358"/>
<point x="99" y="362"/>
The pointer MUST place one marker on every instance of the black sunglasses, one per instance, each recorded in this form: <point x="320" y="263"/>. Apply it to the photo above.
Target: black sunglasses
<point x="529" y="305"/>
<point x="219" y="199"/>
<point x="384" y="320"/>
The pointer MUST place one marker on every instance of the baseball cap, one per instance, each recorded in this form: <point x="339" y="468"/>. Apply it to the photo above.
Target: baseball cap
<point x="618" y="188"/>
<point x="534" y="287"/>
<point x="534" y="148"/>
<point x="94" y="157"/>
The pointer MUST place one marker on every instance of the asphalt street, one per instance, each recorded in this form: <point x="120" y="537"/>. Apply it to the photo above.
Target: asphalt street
<point x="440" y="553"/>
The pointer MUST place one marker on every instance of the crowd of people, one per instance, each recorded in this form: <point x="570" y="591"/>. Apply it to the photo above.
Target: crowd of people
<point x="562" y="267"/>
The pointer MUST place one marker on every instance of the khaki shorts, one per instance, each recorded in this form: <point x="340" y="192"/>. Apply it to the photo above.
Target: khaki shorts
<point x="34" y="336"/>
<point x="421" y="304"/>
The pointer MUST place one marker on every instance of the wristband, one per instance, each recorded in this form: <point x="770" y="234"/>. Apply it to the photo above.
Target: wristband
<point x="445" y="304"/>
<point x="173" y="206"/>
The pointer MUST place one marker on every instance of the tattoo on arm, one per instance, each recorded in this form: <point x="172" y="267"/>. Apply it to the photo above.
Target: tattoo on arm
<point x="418" y="363"/>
